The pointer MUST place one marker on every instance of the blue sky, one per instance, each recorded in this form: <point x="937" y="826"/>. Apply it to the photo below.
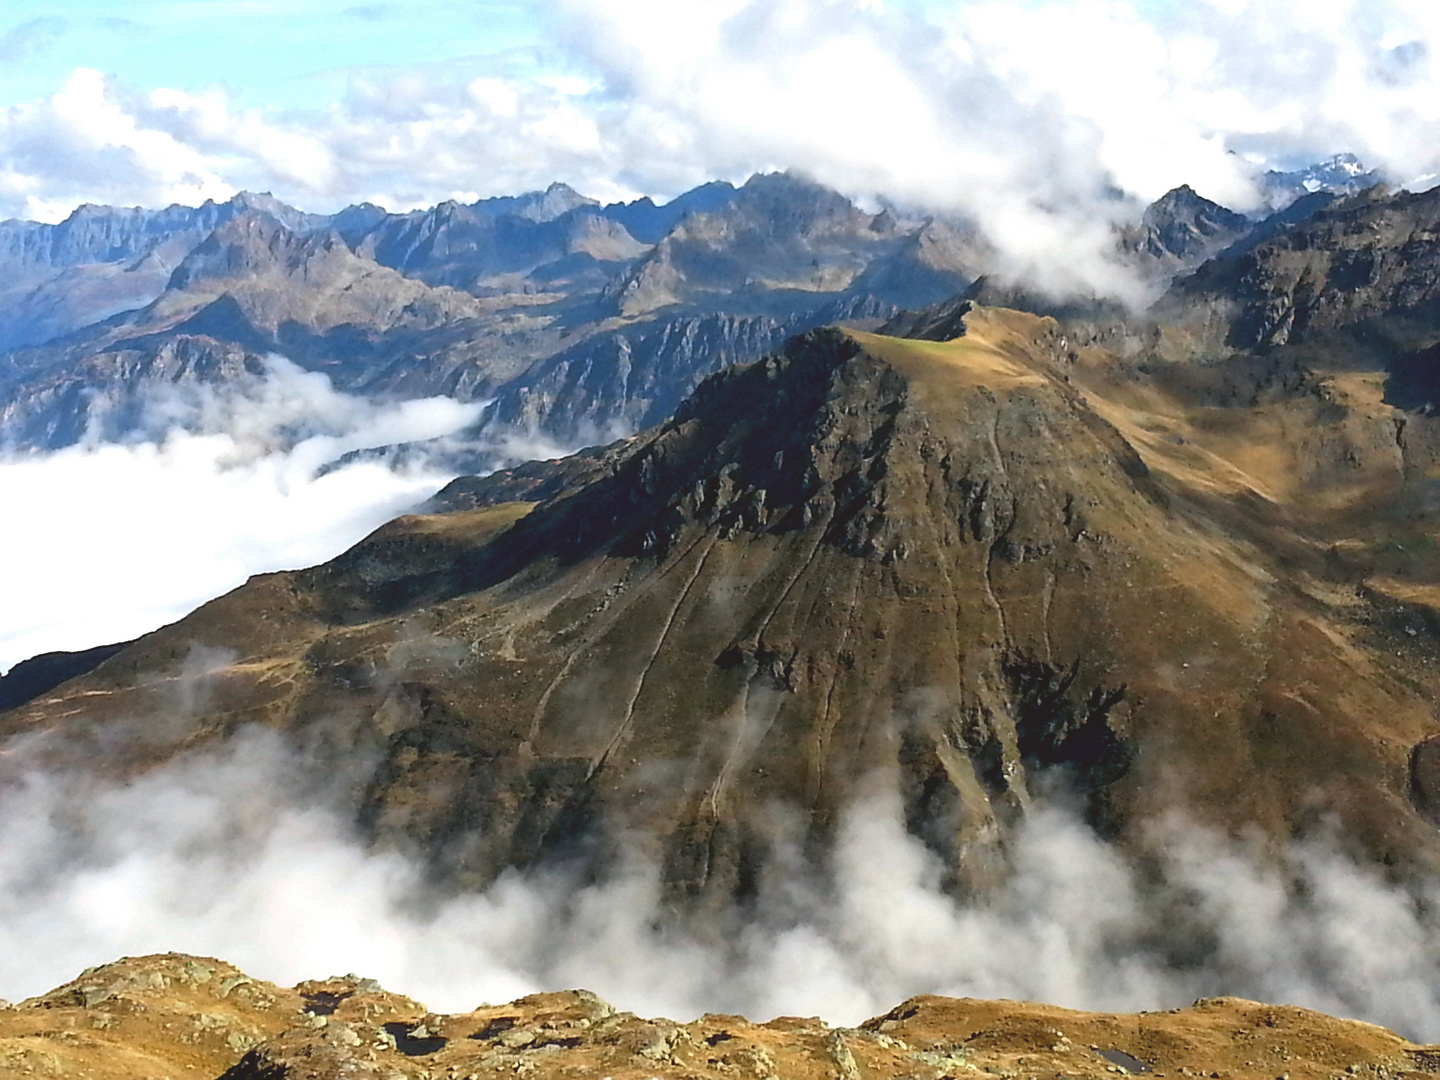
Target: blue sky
<point x="266" y="52"/>
<point x="276" y="53"/>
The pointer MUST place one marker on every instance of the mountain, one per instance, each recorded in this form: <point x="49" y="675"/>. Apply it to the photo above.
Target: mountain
<point x="102" y="260"/>
<point x="983" y="568"/>
<point x="782" y="235"/>
<point x="1366" y="267"/>
<point x="539" y="206"/>
<point x="633" y="378"/>
<point x="577" y="326"/>
<point x="38" y="675"/>
<point x="174" y="1014"/>
<point x="1343" y="174"/>
<point x="649" y="223"/>
<point x="251" y="287"/>
<point x="483" y="250"/>
<point x="1181" y="230"/>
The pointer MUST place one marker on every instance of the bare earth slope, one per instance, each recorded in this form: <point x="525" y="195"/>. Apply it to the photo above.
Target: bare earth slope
<point x="189" y="1017"/>
<point x="958" y="570"/>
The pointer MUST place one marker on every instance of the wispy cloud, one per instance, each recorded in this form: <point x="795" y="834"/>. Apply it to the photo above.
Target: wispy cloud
<point x="224" y="483"/>
<point x="20" y="42"/>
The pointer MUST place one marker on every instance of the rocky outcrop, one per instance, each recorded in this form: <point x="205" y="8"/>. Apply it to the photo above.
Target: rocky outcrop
<point x="174" y="1014"/>
<point x="628" y="380"/>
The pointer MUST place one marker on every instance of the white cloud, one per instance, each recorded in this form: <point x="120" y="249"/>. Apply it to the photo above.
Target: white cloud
<point x="86" y="144"/>
<point x="1019" y="113"/>
<point x="124" y="537"/>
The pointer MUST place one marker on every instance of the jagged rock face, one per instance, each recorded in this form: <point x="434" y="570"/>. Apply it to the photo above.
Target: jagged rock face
<point x="1180" y="230"/>
<point x="468" y="248"/>
<point x="937" y="566"/>
<point x="104" y="260"/>
<point x="174" y="1014"/>
<point x="60" y="405"/>
<point x="256" y="263"/>
<point x="1368" y="261"/>
<point x="251" y="288"/>
<point x="95" y="234"/>
<point x="633" y="379"/>
<point x="555" y="201"/>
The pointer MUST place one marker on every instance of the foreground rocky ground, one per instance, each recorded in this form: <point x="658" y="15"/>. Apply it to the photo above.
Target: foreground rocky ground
<point x="175" y="1016"/>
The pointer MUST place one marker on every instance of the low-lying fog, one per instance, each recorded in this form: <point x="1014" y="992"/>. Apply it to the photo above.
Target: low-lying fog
<point x="110" y="539"/>
<point x="231" y="853"/>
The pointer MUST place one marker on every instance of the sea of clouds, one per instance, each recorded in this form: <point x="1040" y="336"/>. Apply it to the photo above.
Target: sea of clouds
<point x="243" y="852"/>
<point x="120" y="534"/>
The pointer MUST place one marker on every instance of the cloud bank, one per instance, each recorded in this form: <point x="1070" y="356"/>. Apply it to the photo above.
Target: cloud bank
<point x="1027" y="116"/>
<point x="219" y="484"/>
<point x="189" y="858"/>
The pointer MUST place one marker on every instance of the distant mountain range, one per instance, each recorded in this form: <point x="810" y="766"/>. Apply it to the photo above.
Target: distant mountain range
<point x="581" y="321"/>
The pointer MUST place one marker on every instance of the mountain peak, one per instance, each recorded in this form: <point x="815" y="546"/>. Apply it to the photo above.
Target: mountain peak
<point x="538" y="206"/>
<point x="1341" y="174"/>
<point x="1182" y="229"/>
<point x="1185" y="201"/>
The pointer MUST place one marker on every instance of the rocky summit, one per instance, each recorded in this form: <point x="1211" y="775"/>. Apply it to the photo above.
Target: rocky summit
<point x="184" y="1016"/>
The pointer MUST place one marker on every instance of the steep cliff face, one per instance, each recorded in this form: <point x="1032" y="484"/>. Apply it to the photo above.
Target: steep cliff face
<point x="57" y="406"/>
<point x="631" y="379"/>
<point x="968" y="570"/>
<point x="102" y="260"/>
